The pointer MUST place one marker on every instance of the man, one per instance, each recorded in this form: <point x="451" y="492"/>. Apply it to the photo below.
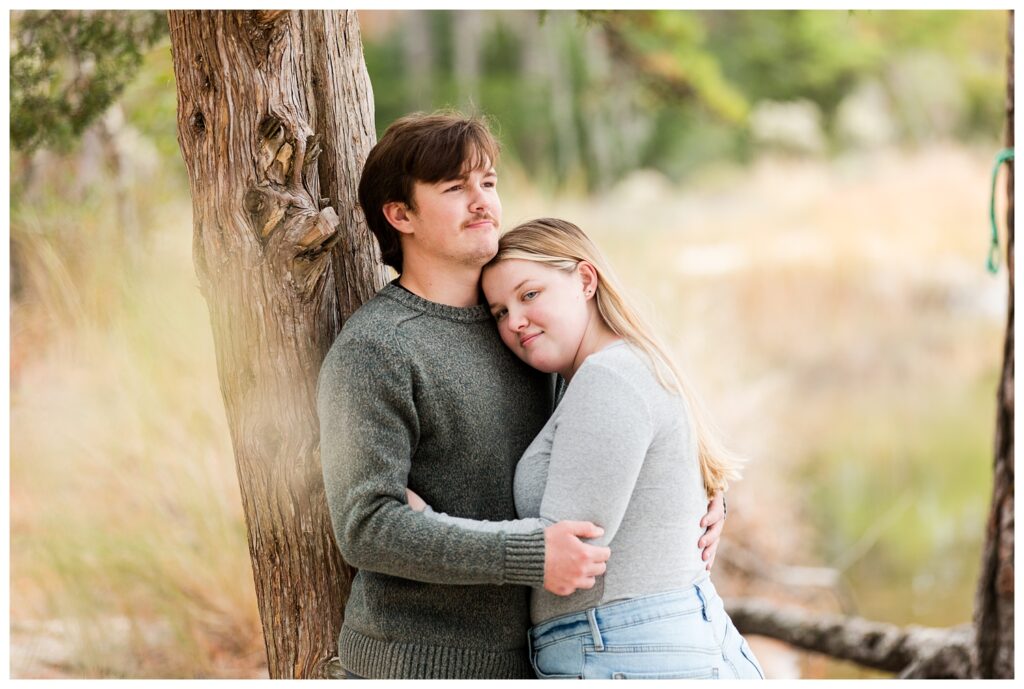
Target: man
<point x="419" y="392"/>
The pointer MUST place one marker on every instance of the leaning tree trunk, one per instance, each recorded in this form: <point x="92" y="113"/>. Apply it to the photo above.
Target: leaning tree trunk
<point x="275" y="118"/>
<point x="993" y="609"/>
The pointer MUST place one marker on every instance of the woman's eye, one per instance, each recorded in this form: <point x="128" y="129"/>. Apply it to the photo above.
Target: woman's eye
<point x="498" y="315"/>
<point x="527" y="296"/>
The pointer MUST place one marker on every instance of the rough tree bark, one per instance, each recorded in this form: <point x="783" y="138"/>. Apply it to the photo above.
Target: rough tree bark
<point x="275" y="120"/>
<point x="993" y="606"/>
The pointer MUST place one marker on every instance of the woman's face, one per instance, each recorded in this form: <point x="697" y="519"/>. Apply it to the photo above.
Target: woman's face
<point x="541" y="312"/>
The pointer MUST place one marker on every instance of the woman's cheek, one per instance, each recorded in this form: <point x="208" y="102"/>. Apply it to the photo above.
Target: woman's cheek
<point x="509" y="338"/>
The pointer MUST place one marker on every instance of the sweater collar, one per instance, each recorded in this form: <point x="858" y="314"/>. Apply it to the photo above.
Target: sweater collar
<point x="468" y="314"/>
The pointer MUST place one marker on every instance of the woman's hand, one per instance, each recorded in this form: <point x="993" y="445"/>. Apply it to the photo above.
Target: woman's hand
<point x="415" y="501"/>
<point x="714" y="521"/>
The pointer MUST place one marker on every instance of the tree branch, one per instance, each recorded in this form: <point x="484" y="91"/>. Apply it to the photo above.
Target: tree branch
<point x="911" y="651"/>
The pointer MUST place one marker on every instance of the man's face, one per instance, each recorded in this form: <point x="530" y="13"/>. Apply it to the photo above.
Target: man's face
<point x="456" y="220"/>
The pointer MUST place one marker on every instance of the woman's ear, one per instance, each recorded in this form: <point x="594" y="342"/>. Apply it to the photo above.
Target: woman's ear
<point x="397" y="213"/>
<point x="589" y="278"/>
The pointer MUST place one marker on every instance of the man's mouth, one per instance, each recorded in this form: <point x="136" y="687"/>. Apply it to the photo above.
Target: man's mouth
<point x="480" y="224"/>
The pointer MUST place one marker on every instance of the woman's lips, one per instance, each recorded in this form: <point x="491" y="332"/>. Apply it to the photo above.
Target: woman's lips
<point x="528" y="339"/>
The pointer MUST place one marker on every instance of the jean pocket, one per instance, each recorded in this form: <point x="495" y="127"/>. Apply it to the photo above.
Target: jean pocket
<point x="559" y="660"/>
<point x="749" y="655"/>
<point x="651" y="661"/>
<point x="700" y="673"/>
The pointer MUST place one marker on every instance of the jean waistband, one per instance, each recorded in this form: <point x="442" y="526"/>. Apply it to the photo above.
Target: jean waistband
<point x="692" y="598"/>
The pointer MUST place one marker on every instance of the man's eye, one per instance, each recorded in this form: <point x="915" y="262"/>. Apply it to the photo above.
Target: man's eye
<point x="454" y="188"/>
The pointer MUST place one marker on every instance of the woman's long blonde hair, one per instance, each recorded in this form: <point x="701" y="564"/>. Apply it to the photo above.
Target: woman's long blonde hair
<point x="562" y="245"/>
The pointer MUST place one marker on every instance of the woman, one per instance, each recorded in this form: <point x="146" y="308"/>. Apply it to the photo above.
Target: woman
<point x="627" y="449"/>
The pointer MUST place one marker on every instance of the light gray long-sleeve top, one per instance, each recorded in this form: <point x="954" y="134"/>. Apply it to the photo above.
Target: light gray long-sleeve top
<point x="618" y="451"/>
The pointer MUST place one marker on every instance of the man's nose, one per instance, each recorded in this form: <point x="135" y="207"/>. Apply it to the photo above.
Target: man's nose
<point x="479" y="203"/>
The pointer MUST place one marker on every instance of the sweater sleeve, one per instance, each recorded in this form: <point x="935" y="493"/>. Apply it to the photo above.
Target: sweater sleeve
<point x="601" y="437"/>
<point x="368" y="433"/>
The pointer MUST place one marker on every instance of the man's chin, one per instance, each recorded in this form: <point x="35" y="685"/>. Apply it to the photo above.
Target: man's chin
<point x="485" y="252"/>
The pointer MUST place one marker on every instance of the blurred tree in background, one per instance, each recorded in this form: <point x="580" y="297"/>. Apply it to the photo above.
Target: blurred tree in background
<point x="583" y="98"/>
<point x="92" y="125"/>
<point x="67" y="68"/>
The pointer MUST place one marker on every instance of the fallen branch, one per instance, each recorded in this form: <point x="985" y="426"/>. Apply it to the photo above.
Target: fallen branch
<point x="911" y="652"/>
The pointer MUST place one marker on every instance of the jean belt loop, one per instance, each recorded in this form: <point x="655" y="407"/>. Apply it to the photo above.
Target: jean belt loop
<point x="703" y="603"/>
<point x="529" y="645"/>
<point x="595" y="631"/>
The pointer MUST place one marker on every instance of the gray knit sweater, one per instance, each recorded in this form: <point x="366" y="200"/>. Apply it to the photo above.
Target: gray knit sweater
<point x="620" y="452"/>
<point x="424" y="395"/>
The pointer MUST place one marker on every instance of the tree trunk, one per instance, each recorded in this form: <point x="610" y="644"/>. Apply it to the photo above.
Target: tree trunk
<point x="275" y="119"/>
<point x="467" y="62"/>
<point x="546" y="67"/>
<point x="418" y="59"/>
<point x="128" y="237"/>
<point x="993" y="609"/>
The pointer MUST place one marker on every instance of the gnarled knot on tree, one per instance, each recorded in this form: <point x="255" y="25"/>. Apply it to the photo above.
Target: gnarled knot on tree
<point x="284" y="151"/>
<point x="282" y="213"/>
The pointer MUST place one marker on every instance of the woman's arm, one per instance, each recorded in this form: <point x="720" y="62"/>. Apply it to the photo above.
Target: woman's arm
<point x="603" y="431"/>
<point x="515" y="526"/>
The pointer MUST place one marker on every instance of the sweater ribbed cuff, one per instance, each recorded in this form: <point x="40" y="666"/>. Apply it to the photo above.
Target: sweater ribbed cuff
<point x="524" y="559"/>
<point x="380" y="659"/>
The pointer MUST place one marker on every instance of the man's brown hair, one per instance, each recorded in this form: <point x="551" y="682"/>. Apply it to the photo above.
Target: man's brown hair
<point x="419" y="148"/>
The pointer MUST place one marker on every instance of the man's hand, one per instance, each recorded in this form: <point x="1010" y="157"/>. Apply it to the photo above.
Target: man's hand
<point x="714" y="521"/>
<point x="570" y="564"/>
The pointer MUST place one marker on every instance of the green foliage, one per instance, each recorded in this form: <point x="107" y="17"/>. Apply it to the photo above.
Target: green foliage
<point x="669" y="90"/>
<point x="150" y="101"/>
<point x="666" y="49"/>
<point x="672" y="90"/>
<point x="67" y="67"/>
<point x="785" y="55"/>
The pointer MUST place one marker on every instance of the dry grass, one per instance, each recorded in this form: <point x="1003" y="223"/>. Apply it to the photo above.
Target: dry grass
<point x="128" y="543"/>
<point x="831" y="314"/>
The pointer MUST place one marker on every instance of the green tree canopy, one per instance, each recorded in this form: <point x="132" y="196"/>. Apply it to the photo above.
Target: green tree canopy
<point x="67" y="67"/>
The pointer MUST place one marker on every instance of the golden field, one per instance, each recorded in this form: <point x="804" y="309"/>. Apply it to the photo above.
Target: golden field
<point x="836" y="315"/>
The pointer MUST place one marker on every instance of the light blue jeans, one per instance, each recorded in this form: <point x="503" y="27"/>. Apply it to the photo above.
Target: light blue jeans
<point x="681" y="634"/>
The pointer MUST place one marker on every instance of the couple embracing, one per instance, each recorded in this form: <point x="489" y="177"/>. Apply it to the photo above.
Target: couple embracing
<point x="512" y="460"/>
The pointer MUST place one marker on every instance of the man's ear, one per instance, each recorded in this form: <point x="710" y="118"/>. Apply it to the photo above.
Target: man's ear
<point x="397" y="213"/>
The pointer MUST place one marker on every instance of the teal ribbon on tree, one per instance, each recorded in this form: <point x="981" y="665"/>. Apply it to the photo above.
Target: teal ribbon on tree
<point x="993" y="250"/>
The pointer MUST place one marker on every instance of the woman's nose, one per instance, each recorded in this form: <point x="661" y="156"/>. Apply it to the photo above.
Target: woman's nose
<point x="516" y="321"/>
